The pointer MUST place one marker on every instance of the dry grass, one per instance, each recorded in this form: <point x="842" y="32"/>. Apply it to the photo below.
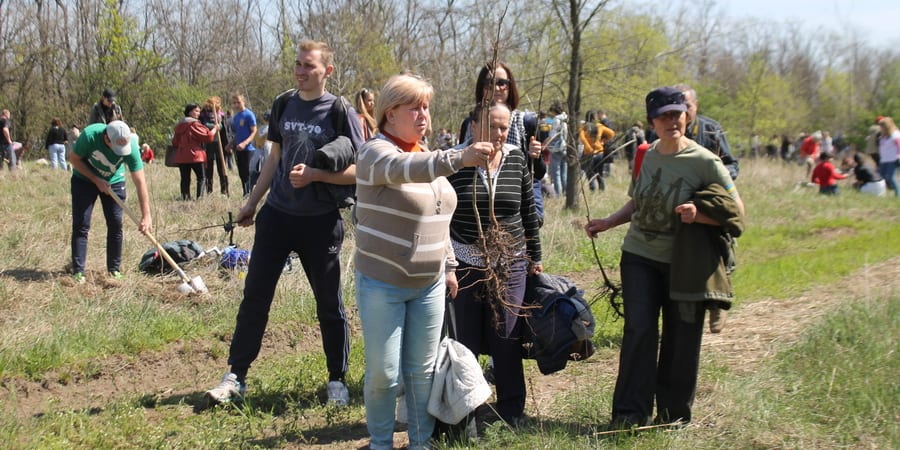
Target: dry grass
<point x="97" y="347"/>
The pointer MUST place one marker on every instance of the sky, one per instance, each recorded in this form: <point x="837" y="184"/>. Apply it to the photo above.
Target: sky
<point x="876" y="22"/>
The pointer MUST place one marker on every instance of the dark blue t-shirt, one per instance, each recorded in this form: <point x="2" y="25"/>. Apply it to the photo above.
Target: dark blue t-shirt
<point x="303" y="127"/>
<point x="4" y="124"/>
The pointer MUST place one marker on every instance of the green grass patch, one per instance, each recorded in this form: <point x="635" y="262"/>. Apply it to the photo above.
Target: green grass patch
<point x="124" y="328"/>
<point x="812" y="259"/>
<point x="836" y="389"/>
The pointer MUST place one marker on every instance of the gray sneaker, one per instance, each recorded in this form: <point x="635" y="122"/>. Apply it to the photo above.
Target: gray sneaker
<point x="227" y="390"/>
<point x="338" y="393"/>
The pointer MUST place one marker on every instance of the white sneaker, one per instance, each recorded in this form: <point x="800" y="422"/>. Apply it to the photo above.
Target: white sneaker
<point x="228" y="389"/>
<point x="338" y="393"/>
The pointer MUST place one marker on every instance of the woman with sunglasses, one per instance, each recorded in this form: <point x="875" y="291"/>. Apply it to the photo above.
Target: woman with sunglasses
<point x="653" y="363"/>
<point x="502" y="89"/>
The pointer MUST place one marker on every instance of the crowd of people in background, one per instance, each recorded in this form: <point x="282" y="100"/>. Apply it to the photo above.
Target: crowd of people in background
<point x="599" y="143"/>
<point x="872" y="168"/>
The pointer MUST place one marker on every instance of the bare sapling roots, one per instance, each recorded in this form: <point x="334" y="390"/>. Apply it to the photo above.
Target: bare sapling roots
<point x="499" y="248"/>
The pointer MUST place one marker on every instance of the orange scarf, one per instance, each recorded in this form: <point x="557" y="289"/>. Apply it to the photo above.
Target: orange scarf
<point x="405" y="146"/>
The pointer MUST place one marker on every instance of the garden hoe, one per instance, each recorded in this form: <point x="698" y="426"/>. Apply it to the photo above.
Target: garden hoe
<point x="188" y="285"/>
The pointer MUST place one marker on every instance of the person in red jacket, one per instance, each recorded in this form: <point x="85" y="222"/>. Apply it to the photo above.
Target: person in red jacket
<point x="826" y="176"/>
<point x="809" y="151"/>
<point x="191" y="135"/>
<point x="147" y="155"/>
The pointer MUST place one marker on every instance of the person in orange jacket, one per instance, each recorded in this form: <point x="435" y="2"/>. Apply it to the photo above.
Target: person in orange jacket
<point x="593" y="136"/>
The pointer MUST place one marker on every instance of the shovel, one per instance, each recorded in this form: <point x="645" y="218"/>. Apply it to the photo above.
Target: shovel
<point x="222" y="168"/>
<point x="188" y="285"/>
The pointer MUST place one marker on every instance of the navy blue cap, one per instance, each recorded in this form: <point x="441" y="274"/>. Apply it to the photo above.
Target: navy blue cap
<point x="664" y="99"/>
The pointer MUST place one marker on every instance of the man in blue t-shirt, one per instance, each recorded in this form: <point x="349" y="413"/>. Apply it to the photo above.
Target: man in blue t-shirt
<point x="99" y="158"/>
<point x="243" y="126"/>
<point x="297" y="217"/>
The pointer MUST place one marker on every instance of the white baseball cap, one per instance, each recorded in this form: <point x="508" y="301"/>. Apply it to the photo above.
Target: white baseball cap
<point x="119" y="137"/>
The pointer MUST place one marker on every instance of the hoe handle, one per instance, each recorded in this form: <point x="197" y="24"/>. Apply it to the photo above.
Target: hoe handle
<point x="162" y="251"/>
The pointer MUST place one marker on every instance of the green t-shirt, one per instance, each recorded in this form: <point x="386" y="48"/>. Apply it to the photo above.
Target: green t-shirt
<point x="664" y="182"/>
<point x="105" y="163"/>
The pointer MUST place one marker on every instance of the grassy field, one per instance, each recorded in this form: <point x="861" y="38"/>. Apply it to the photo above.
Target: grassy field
<point x="809" y="359"/>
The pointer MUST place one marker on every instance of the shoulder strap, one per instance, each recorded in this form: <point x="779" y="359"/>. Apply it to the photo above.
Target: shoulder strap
<point x="338" y="110"/>
<point x="279" y="105"/>
<point x="339" y="115"/>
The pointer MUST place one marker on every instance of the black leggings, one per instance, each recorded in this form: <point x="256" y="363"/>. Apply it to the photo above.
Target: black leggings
<point x="185" y="170"/>
<point x="212" y="162"/>
<point x="243" y="158"/>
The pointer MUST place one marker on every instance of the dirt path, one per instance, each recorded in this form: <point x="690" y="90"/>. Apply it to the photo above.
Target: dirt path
<point x="754" y="332"/>
<point x="757" y="330"/>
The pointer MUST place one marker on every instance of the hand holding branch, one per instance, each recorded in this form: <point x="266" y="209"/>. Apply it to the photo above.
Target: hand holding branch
<point x="245" y="215"/>
<point x="595" y="226"/>
<point x="535" y="148"/>
<point x="477" y="154"/>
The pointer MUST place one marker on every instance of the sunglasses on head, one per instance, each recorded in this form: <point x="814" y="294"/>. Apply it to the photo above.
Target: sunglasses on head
<point x="659" y="102"/>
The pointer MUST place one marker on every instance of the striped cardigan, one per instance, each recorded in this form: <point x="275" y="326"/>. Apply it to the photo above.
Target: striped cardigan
<point x="403" y="210"/>
<point x="513" y="204"/>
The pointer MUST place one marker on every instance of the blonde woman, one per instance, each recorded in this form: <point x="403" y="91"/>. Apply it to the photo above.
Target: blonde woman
<point x="364" y="102"/>
<point x="210" y="115"/>
<point x="404" y="261"/>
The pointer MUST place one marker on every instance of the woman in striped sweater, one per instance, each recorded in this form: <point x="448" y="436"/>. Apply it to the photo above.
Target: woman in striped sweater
<point x="404" y="262"/>
<point x="507" y="171"/>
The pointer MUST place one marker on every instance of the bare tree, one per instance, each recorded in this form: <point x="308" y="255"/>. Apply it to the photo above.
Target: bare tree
<point x="56" y="56"/>
<point x="574" y="17"/>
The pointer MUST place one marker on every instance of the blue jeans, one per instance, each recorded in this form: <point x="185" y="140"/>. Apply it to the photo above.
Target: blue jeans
<point x="401" y="330"/>
<point x="558" y="169"/>
<point x="58" y="156"/>
<point x="84" y="195"/>
<point x="888" y="171"/>
<point x="6" y="151"/>
<point x="539" y="201"/>
<point x="257" y="160"/>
